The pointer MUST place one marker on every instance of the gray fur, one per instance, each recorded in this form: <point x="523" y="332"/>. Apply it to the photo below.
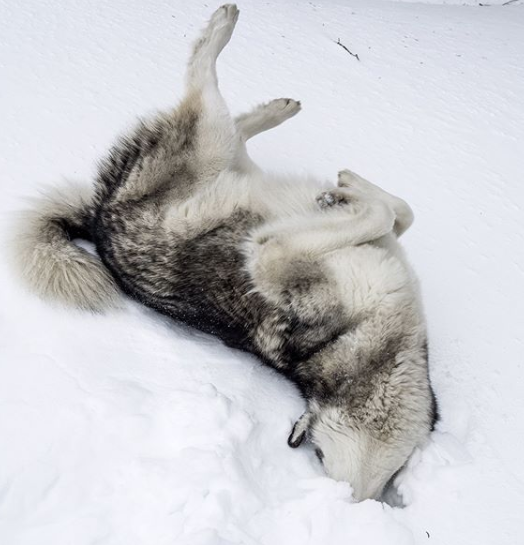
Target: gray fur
<point x="48" y="261"/>
<point x="309" y="278"/>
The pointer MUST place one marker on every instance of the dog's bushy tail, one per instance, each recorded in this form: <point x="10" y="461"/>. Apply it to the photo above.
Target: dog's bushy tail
<point x="51" y="263"/>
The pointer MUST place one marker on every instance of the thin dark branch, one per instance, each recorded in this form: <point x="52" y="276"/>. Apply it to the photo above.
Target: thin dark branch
<point x="338" y="42"/>
<point x="504" y="4"/>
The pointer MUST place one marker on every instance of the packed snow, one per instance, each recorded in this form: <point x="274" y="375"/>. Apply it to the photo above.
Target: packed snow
<point x="126" y="428"/>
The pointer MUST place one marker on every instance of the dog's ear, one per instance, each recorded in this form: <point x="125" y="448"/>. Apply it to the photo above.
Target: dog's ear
<point x="299" y="431"/>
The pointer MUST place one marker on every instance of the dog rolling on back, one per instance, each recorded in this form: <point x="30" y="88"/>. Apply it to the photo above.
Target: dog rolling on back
<point x="308" y="277"/>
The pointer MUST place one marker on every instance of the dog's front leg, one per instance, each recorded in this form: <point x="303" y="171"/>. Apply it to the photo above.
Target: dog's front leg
<point x="347" y="216"/>
<point x="403" y="213"/>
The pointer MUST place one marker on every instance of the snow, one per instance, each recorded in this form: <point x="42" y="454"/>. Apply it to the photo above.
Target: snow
<point x="128" y="429"/>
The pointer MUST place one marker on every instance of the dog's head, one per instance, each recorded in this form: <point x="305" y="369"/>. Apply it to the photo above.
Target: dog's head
<point x="346" y="451"/>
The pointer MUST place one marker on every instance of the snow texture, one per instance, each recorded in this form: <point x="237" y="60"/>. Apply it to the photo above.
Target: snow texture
<point x="128" y="429"/>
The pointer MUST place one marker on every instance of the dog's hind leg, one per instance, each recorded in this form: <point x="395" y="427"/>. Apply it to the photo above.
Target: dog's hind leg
<point x="221" y="140"/>
<point x="266" y="116"/>
<point x="201" y="70"/>
<point x="261" y="118"/>
<point x="170" y="157"/>
<point x="216" y="142"/>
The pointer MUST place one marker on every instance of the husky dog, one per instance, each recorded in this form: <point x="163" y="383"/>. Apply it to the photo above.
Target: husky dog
<point x="309" y="278"/>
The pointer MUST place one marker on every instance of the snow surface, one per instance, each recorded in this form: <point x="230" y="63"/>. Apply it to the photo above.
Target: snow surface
<point x="128" y="429"/>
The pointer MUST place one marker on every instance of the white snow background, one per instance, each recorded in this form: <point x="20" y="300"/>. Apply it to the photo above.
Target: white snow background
<point x="128" y="429"/>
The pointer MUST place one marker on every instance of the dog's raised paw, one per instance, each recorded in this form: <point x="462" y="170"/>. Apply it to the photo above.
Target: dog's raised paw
<point x="221" y="26"/>
<point x="225" y="15"/>
<point x="282" y="108"/>
<point x="287" y="104"/>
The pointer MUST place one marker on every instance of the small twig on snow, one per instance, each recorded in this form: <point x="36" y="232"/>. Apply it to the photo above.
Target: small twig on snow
<point x="504" y="4"/>
<point x="338" y="42"/>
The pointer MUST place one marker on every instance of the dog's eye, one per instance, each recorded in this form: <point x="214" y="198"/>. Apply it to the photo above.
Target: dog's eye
<point x="320" y="454"/>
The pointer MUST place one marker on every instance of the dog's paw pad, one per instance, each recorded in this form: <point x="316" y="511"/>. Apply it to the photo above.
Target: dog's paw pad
<point x="328" y="199"/>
